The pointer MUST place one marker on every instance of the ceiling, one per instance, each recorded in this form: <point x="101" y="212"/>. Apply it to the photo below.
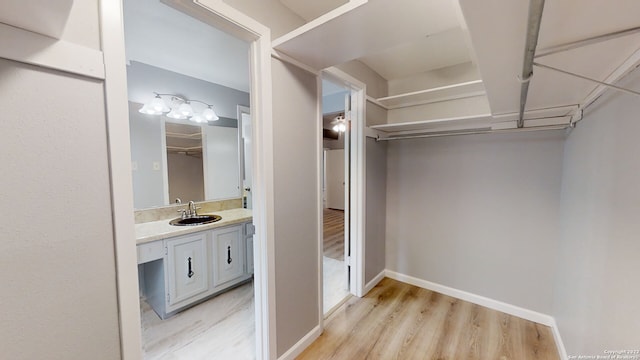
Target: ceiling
<point x="159" y="35"/>
<point x="500" y="53"/>
<point x="410" y="36"/>
<point x="443" y="49"/>
<point x="396" y="37"/>
<point x="309" y="10"/>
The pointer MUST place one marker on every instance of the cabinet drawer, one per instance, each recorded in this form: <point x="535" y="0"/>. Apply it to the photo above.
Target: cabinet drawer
<point x="150" y="251"/>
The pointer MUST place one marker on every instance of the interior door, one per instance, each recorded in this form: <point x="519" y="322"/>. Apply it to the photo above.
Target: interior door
<point x="335" y="179"/>
<point x="246" y="133"/>
<point x="347" y="190"/>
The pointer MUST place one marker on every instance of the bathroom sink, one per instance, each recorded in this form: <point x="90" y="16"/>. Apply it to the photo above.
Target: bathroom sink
<point x="195" y="220"/>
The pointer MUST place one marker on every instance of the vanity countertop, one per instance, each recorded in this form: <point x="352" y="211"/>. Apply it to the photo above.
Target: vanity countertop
<point x="157" y="230"/>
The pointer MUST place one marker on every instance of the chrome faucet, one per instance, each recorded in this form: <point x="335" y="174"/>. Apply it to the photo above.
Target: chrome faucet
<point x="190" y="211"/>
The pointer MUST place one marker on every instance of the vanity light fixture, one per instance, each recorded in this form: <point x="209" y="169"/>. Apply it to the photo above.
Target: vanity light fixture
<point x="340" y="124"/>
<point x="181" y="108"/>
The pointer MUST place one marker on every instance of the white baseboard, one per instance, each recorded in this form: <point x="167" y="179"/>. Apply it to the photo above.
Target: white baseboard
<point x="473" y="298"/>
<point x="371" y="284"/>
<point x="562" y="351"/>
<point x="299" y="347"/>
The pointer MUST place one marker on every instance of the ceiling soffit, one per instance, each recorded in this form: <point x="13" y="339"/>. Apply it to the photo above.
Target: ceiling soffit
<point x="309" y="10"/>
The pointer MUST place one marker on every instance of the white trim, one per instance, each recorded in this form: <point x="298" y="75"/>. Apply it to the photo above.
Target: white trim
<point x="221" y="15"/>
<point x="319" y="199"/>
<point x="117" y="114"/>
<point x="358" y="170"/>
<point x="289" y="60"/>
<point x="374" y="101"/>
<point x="375" y="281"/>
<point x="301" y="345"/>
<point x="373" y="133"/>
<point x="438" y="99"/>
<point x="165" y="162"/>
<point x="526" y="314"/>
<point x="39" y="50"/>
<point x="562" y="351"/>
<point x="319" y="21"/>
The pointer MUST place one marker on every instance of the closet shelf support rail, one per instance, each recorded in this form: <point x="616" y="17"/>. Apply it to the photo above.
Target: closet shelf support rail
<point x="628" y="91"/>
<point x="533" y="30"/>
<point x="478" y="132"/>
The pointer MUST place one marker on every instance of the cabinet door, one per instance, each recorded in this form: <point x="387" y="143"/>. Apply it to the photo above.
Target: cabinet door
<point x="228" y="254"/>
<point x="186" y="267"/>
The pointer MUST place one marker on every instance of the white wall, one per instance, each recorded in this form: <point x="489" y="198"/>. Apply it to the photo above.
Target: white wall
<point x="376" y="84"/>
<point x="477" y="213"/>
<point x="296" y="176"/>
<point x="596" y="294"/>
<point x="57" y="249"/>
<point x="376" y="206"/>
<point x="58" y="276"/>
<point x="146" y="149"/>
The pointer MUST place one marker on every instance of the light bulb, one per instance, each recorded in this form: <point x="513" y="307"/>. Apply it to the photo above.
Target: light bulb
<point x="185" y="110"/>
<point x="147" y="109"/>
<point x="209" y="114"/>
<point x="336" y="128"/>
<point x="175" y="114"/>
<point x="158" y="105"/>
<point x="197" y="118"/>
<point x="342" y="127"/>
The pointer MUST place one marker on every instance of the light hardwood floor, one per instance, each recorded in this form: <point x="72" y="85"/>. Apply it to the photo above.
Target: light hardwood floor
<point x="220" y="328"/>
<point x="400" y="321"/>
<point x="333" y="231"/>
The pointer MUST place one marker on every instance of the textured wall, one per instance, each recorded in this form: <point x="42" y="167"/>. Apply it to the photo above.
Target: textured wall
<point x="477" y="213"/>
<point x="57" y="252"/>
<point x="376" y="208"/>
<point x="596" y="295"/>
<point x="295" y="156"/>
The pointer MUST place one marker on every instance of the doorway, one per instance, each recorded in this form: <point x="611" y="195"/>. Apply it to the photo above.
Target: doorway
<point x="190" y="127"/>
<point x="335" y="194"/>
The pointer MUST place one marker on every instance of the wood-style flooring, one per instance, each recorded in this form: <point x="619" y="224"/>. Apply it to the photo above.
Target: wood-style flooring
<point x="333" y="231"/>
<point x="220" y="328"/>
<point x="400" y="321"/>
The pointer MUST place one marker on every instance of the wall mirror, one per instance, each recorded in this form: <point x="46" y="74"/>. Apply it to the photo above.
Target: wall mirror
<point x="198" y="157"/>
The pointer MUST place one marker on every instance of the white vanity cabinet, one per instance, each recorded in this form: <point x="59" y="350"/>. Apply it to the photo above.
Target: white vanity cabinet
<point x="194" y="267"/>
<point x="186" y="269"/>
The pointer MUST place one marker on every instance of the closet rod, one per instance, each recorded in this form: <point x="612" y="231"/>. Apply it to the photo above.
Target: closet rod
<point x="584" y="42"/>
<point x="478" y="132"/>
<point x="533" y="30"/>
<point x="632" y="92"/>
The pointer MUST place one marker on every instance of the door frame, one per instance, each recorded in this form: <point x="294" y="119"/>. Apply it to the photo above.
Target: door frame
<point x="356" y="205"/>
<point x="241" y="109"/>
<point x="229" y="19"/>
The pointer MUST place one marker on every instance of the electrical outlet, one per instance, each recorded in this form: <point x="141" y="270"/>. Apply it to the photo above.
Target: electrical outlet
<point x="156" y="165"/>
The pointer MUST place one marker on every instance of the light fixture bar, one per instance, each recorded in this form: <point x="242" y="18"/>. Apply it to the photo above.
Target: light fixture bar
<point x="184" y="111"/>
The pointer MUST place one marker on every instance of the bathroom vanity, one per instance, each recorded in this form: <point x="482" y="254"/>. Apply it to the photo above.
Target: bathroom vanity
<point x="180" y="266"/>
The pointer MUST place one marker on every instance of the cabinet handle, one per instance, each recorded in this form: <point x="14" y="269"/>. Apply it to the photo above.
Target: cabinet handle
<point x="190" y="273"/>
<point x="229" y="260"/>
